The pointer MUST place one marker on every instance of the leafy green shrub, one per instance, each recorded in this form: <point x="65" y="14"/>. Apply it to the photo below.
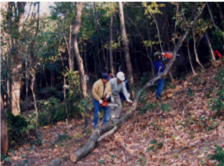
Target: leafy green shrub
<point x="17" y="128"/>
<point x="5" y="158"/>
<point x="53" y="112"/>
<point x="218" y="156"/>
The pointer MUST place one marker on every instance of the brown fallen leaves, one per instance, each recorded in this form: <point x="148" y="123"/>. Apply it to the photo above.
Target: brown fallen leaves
<point x="184" y="136"/>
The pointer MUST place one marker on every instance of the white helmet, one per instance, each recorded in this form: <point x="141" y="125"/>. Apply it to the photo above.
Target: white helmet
<point x="120" y="76"/>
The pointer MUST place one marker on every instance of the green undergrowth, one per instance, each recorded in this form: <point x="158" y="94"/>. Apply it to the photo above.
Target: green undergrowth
<point x="218" y="156"/>
<point x="217" y="103"/>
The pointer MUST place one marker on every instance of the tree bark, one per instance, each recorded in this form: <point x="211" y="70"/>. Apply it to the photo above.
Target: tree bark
<point x="17" y="66"/>
<point x="195" y="51"/>
<point x="79" y="59"/>
<point x="210" y="46"/>
<point x="111" y="42"/>
<point x="126" y="49"/>
<point x="220" y="11"/>
<point x="4" y="131"/>
<point x="26" y="80"/>
<point x="32" y="87"/>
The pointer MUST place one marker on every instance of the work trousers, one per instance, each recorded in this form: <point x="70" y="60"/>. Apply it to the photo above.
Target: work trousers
<point x="160" y="85"/>
<point x="116" y="111"/>
<point x="96" y="114"/>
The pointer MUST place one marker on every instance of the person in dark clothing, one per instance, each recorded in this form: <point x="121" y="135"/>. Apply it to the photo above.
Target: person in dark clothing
<point x="111" y="75"/>
<point x="62" y="93"/>
<point x="121" y="94"/>
<point x="118" y="64"/>
<point x="159" y="68"/>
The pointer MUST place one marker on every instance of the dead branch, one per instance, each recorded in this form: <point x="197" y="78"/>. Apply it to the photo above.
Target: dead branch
<point x="107" y="134"/>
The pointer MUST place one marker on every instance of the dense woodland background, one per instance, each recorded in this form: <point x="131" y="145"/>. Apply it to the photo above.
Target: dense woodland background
<point x="40" y="53"/>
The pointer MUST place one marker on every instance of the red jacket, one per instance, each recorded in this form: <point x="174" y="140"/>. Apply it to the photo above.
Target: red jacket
<point x="216" y="53"/>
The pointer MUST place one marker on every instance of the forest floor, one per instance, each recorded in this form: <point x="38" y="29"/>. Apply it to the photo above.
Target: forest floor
<point x="181" y="130"/>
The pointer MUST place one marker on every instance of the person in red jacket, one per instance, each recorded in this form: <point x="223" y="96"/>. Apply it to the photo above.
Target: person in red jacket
<point x="216" y="53"/>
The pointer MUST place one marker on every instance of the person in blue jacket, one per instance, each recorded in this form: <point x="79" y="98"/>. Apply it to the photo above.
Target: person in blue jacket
<point x="159" y="68"/>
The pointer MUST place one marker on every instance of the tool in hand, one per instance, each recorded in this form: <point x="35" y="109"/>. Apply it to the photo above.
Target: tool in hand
<point x="107" y="103"/>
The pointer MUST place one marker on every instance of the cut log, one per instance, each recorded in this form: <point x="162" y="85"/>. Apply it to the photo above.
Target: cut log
<point x="55" y="162"/>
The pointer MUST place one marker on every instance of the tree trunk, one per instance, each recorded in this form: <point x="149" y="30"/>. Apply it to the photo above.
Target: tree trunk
<point x="17" y="67"/>
<point x="79" y="59"/>
<point x="26" y="81"/>
<point x="4" y="131"/>
<point x="71" y="55"/>
<point x="111" y="42"/>
<point x="86" y="62"/>
<point x="15" y="96"/>
<point x="189" y="56"/>
<point x="64" y="89"/>
<point x="32" y="87"/>
<point x="101" y="38"/>
<point x="151" y="50"/>
<point x="195" y="51"/>
<point x="220" y="11"/>
<point x="126" y="49"/>
<point x="210" y="46"/>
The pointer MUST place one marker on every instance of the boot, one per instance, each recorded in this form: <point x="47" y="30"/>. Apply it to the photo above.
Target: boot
<point x="159" y="98"/>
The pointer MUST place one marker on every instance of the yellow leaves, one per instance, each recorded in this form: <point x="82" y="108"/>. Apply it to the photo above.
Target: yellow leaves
<point x="152" y="8"/>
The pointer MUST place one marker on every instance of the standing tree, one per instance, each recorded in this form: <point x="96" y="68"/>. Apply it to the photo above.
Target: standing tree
<point x="111" y="42"/>
<point x="79" y="58"/>
<point x="4" y="131"/>
<point x="126" y="48"/>
<point x="15" y="26"/>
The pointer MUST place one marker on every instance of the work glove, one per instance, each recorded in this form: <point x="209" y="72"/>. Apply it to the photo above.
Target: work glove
<point x="101" y="101"/>
<point x="112" y="99"/>
<point x="107" y="96"/>
<point x="129" y="101"/>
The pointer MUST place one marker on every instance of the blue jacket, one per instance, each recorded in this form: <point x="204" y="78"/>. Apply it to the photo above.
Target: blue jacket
<point x="157" y="65"/>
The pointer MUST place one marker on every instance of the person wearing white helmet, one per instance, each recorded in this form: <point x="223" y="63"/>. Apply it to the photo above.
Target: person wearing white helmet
<point x="117" y="84"/>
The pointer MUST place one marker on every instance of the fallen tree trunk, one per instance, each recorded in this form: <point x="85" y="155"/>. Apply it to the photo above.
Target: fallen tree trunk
<point x="95" y="135"/>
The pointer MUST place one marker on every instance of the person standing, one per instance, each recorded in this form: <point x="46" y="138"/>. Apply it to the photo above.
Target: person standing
<point x="111" y="74"/>
<point x="117" y="84"/>
<point x="101" y="89"/>
<point x="118" y="65"/>
<point x="159" y="68"/>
